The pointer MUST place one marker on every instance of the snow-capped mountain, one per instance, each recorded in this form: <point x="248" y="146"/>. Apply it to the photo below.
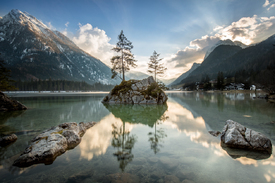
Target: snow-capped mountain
<point x="224" y="42"/>
<point x="33" y="51"/>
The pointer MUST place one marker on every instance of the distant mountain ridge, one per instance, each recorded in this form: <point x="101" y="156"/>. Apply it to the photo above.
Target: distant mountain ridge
<point x="33" y="51"/>
<point x="185" y="75"/>
<point x="232" y="58"/>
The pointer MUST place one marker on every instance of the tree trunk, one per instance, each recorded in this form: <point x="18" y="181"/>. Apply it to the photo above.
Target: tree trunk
<point x="123" y="77"/>
<point x="156" y="75"/>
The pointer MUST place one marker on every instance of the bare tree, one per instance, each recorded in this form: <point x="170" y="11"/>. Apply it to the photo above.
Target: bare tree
<point x="154" y="65"/>
<point x="122" y="63"/>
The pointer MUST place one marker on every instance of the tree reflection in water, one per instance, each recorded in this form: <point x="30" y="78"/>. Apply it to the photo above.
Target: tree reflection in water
<point x="155" y="138"/>
<point x="123" y="142"/>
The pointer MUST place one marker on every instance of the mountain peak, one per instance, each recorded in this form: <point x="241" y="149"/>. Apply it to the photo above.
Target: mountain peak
<point x="16" y="16"/>
<point x="225" y="42"/>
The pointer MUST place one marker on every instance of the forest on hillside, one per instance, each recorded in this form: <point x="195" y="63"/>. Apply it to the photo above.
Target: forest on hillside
<point x="59" y="85"/>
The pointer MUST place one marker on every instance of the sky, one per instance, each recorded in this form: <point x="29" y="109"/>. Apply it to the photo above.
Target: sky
<point x="180" y="30"/>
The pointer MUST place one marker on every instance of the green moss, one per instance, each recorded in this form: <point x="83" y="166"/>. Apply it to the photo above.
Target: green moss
<point x="123" y="87"/>
<point x="59" y="132"/>
<point x="41" y="139"/>
<point x="153" y="90"/>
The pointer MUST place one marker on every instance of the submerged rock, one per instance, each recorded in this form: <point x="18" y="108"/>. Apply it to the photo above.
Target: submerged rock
<point x="235" y="135"/>
<point x="7" y="104"/>
<point x="8" y="139"/>
<point x="144" y="91"/>
<point x="53" y="142"/>
<point x="214" y="133"/>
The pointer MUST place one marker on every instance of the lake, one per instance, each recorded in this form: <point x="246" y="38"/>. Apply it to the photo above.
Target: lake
<point x="141" y="143"/>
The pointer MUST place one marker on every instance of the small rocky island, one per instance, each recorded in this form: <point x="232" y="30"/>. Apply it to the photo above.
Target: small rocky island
<point x="144" y="91"/>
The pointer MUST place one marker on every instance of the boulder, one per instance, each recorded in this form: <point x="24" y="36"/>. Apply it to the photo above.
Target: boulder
<point x="144" y="91"/>
<point x="8" y="139"/>
<point x="235" y="135"/>
<point x="51" y="143"/>
<point x="7" y="104"/>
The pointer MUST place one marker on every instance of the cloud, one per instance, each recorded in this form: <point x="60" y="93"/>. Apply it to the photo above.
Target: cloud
<point x="188" y="55"/>
<point x="67" y="24"/>
<point x="94" y="41"/>
<point x="247" y="30"/>
<point x="266" y="3"/>
<point x="272" y="6"/>
<point x="205" y="41"/>
<point x="194" y="52"/>
<point x="50" y="26"/>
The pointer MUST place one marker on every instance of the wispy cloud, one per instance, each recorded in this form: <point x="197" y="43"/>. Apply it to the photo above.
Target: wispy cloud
<point x="67" y="24"/>
<point x="269" y="4"/>
<point x="50" y="26"/>
<point x="272" y="6"/>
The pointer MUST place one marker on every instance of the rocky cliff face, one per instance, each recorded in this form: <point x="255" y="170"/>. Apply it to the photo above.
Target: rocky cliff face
<point x="144" y="91"/>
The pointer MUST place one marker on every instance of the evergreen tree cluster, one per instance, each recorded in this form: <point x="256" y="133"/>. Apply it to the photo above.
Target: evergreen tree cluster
<point x="5" y="81"/>
<point x="60" y="85"/>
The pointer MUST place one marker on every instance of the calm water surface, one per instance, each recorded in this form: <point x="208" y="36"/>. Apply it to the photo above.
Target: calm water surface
<point x="139" y="143"/>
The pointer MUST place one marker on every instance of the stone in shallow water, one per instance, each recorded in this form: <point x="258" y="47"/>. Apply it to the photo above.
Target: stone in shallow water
<point x="121" y="178"/>
<point x="169" y="162"/>
<point x="52" y="142"/>
<point x="8" y="139"/>
<point x="171" y="179"/>
<point x="214" y="133"/>
<point x="78" y="178"/>
<point x="235" y="135"/>
<point x="183" y="175"/>
<point x="153" y="160"/>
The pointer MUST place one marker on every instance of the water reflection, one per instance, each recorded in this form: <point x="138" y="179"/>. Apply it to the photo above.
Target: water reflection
<point x="135" y="114"/>
<point x="146" y="148"/>
<point x="123" y="142"/>
<point x="4" y="116"/>
<point x="156" y="137"/>
<point x="238" y="153"/>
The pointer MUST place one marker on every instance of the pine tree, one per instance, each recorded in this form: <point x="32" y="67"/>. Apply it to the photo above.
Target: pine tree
<point x="220" y="81"/>
<point x="154" y="66"/>
<point x="122" y="63"/>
